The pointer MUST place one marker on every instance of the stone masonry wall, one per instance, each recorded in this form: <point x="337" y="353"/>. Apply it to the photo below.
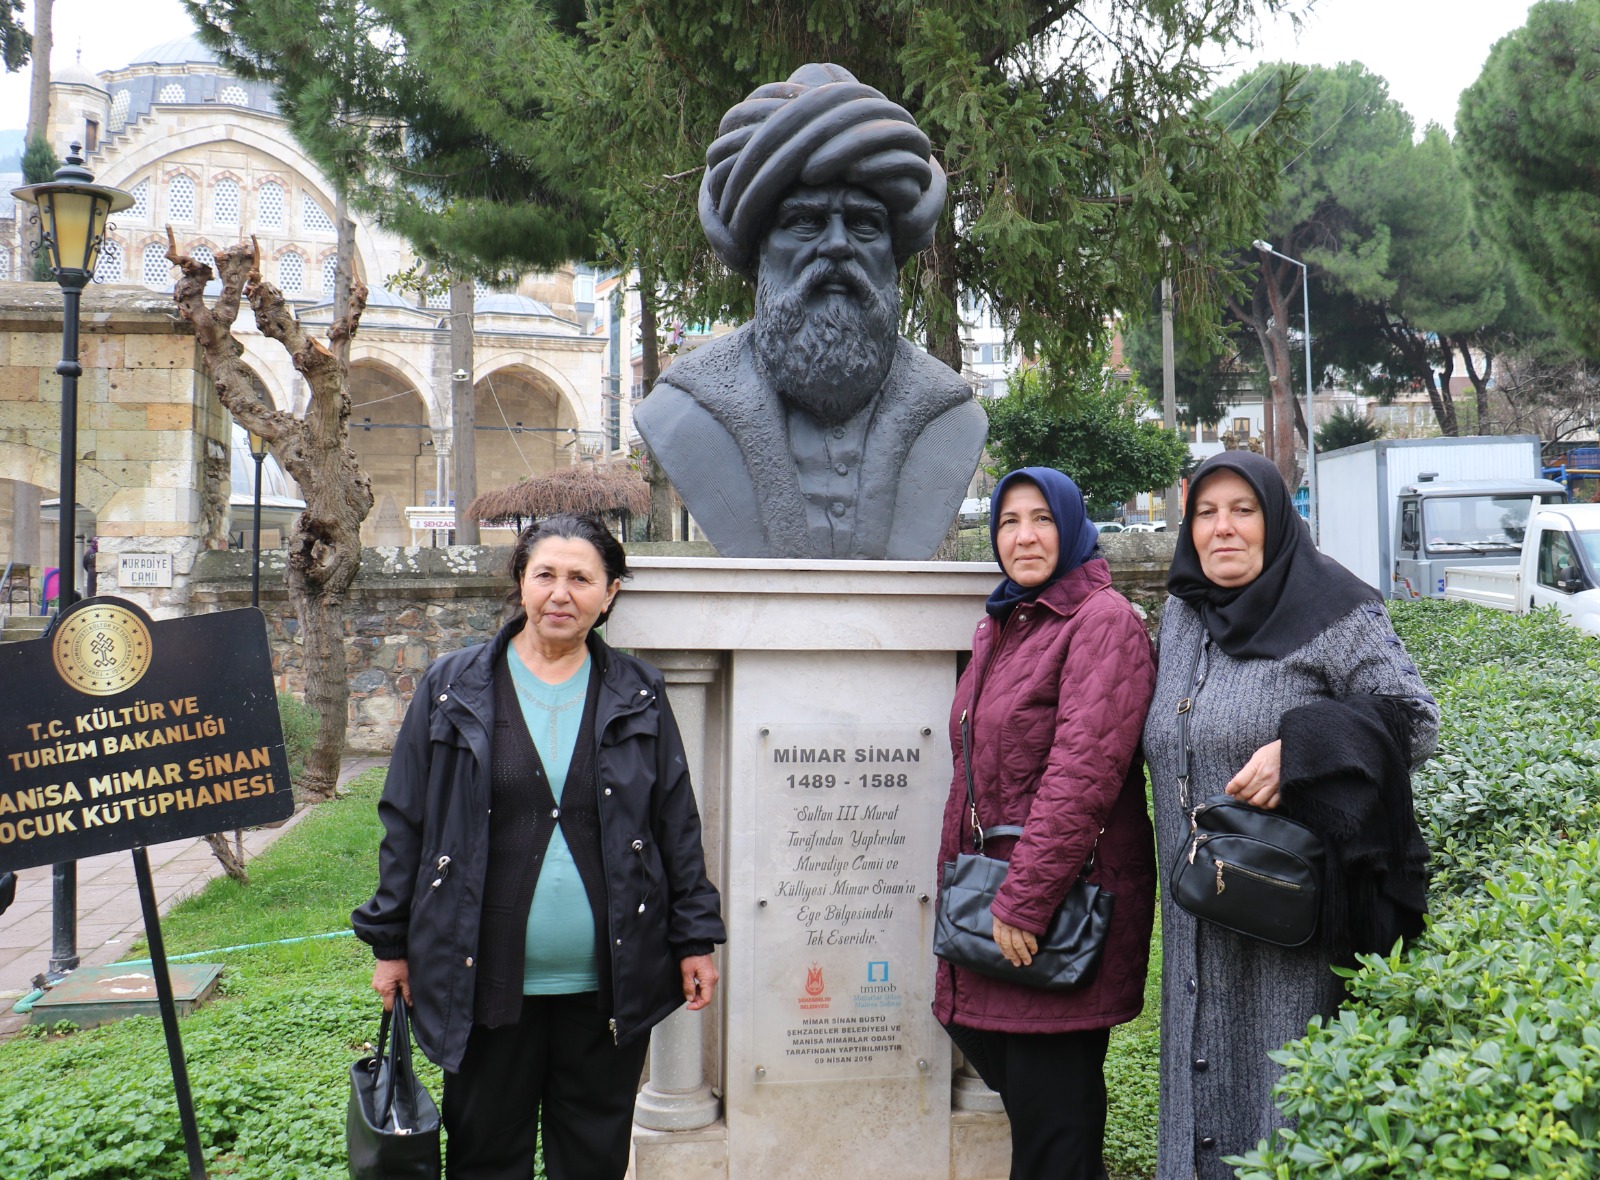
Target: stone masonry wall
<point x="409" y="605"/>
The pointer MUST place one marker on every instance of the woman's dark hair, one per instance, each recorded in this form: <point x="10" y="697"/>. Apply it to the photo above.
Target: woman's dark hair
<point x="571" y="527"/>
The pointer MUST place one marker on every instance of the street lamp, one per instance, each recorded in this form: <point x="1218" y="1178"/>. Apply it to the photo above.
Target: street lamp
<point x="1311" y="416"/>
<point x="71" y="212"/>
<point x="258" y="452"/>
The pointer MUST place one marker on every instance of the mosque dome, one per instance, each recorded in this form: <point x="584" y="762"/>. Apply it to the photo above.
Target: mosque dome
<point x="509" y="304"/>
<point x="181" y="51"/>
<point x="78" y="74"/>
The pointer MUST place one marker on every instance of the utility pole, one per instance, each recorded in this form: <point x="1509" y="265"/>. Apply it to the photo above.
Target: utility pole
<point x="463" y="415"/>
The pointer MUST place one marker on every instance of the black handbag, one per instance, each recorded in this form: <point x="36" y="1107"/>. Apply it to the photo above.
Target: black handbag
<point x="391" y="1127"/>
<point x="963" y="931"/>
<point x="1245" y="868"/>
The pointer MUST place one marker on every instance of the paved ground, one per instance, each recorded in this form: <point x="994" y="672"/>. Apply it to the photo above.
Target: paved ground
<point x="109" y="917"/>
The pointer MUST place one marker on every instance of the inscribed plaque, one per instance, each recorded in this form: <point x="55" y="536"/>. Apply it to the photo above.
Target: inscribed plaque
<point x="849" y="832"/>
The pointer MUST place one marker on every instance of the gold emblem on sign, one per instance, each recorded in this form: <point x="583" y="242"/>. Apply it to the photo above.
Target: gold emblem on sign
<point x="102" y="649"/>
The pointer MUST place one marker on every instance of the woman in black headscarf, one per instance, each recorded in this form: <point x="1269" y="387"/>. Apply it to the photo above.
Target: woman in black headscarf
<point x="1054" y="698"/>
<point x="1300" y="696"/>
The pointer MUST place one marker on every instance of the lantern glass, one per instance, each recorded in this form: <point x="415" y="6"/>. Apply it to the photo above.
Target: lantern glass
<point x="258" y="446"/>
<point x="77" y="223"/>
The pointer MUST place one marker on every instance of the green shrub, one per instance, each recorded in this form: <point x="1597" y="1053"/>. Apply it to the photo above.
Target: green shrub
<point x="299" y="732"/>
<point x="1476" y="1052"/>
<point x="1475" y="1055"/>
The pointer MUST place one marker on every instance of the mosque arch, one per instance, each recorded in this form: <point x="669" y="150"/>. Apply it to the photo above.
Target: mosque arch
<point x="516" y="359"/>
<point x="394" y="444"/>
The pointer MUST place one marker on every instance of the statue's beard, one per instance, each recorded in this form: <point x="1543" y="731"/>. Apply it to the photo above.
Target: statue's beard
<point x="832" y="358"/>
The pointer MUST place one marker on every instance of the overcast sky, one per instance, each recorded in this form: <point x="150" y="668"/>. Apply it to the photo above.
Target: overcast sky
<point x="1429" y="50"/>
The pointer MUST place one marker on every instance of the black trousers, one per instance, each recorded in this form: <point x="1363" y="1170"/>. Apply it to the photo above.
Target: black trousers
<point x="555" y="1071"/>
<point x="1054" y="1089"/>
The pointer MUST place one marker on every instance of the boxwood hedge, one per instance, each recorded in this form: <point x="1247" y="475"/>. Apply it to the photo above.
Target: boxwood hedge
<point x="1476" y="1053"/>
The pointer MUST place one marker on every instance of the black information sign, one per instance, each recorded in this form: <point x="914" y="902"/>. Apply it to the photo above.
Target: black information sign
<point x="117" y="731"/>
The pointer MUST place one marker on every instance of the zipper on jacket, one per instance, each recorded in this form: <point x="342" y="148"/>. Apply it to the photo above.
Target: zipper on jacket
<point x="634" y="703"/>
<point x="1264" y="878"/>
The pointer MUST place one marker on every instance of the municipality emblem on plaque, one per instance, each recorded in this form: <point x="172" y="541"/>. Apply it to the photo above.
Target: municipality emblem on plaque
<point x="101" y="648"/>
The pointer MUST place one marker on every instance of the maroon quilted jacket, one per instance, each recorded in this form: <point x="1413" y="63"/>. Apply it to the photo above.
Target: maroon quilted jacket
<point x="1061" y="691"/>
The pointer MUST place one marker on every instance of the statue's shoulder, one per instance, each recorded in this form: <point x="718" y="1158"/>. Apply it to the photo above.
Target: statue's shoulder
<point x="922" y="371"/>
<point x="711" y="374"/>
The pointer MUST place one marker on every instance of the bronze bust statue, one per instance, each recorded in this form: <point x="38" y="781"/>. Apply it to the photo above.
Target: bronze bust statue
<point x="816" y="430"/>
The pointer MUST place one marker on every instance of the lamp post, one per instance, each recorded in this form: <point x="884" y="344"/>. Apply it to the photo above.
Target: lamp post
<point x="1311" y="417"/>
<point x="72" y="212"/>
<point x="258" y="452"/>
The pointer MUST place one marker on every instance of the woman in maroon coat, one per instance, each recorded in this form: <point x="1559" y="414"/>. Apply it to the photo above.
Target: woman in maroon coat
<point x="1060" y="678"/>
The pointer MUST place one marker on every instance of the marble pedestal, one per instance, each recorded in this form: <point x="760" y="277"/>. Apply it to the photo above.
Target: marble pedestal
<point x="814" y="699"/>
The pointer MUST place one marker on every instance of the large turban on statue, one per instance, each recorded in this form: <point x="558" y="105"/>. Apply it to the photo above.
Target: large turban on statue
<point x="821" y="127"/>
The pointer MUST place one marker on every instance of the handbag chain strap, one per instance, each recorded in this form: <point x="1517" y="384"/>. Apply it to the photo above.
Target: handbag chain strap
<point x="1196" y="679"/>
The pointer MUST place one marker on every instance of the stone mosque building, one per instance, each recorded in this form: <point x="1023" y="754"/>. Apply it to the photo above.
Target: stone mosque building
<point x="208" y="153"/>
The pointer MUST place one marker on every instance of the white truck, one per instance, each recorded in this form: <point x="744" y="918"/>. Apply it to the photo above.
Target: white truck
<point x="1559" y="567"/>
<point x="1396" y="512"/>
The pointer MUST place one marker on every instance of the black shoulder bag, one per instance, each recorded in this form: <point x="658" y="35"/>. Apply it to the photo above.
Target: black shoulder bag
<point x="391" y="1128"/>
<point x="1245" y="868"/>
<point x="963" y="932"/>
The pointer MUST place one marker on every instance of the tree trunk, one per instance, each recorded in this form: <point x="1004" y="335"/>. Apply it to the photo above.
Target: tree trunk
<point x="944" y="322"/>
<point x="463" y="411"/>
<point x="39" y="79"/>
<point x="659" y="527"/>
<point x="38" y="125"/>
<point x="344" y="272"/>
<point x="325" y="543"/>
<point x="1444" y="406"/>
<point x="1480" y="381"/>
<point x="1281" y="369"/>
<point x="230" y="856"/>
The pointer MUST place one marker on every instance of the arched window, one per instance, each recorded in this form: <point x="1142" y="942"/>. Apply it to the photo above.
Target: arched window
<point x="234" y="96"/>
<point x="119" y="109"/>
<point x="155" y="271"/>
<point x="140" y="209"/>
<point x="171" y="92"/>
<point x="225" y="202"/>
<point x="312" y="216"/>
<point x="204" y="254"/>
<point x="480" y="290"/>
<point x="292" y="273"/>
<point x="5" y="263"/>
<point x="440" y="300"/>
<point x="270" y="205"/>
<point x="108" y="267"/>
<point x="330" y="275"/>
<point x="180" y="199"/>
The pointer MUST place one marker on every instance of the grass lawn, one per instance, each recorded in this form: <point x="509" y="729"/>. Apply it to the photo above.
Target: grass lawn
<point x="269" y="1060"/>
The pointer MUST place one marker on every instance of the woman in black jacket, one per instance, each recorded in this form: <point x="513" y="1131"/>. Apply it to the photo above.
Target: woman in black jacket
<point x="538" y="950"/>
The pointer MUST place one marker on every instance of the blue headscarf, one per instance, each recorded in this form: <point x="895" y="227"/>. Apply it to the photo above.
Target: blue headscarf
<point x="1079" y="538"/>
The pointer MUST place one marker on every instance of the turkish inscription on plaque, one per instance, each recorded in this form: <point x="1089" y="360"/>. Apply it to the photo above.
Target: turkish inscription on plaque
<point x="849" y="831"/>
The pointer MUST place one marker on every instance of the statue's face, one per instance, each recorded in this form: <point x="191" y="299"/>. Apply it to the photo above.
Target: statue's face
<point x="840" y="224"/>
<point x="828" y="301"/>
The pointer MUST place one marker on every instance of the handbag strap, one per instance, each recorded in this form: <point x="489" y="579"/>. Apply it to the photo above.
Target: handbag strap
<point x="399" y="1058"/>
<point x="1196" y="678"/>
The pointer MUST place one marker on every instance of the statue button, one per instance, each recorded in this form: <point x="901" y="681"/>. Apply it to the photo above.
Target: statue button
<point x="837" y="509"/>
<point x="838" y="432"/>
<point x="1201" y="1065"/>
<point x="841" y="469"/>
<point x="1207" y="1142"/>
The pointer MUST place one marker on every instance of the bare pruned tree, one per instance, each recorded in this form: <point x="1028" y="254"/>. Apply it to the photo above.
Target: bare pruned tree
<point x="325" y="543"/>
